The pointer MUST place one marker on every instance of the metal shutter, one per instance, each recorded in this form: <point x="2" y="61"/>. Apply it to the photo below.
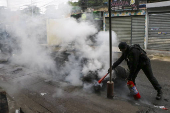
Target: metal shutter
<point x="159" y="31"/>
<point x="122" y="27"/>
<point x="138" y="30"/>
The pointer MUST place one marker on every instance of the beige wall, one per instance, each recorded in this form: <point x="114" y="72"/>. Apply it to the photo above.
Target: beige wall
<point x="52" y="38"/>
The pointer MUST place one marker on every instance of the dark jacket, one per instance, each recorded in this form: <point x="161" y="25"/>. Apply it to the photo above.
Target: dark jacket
<point x="133" y="57"/>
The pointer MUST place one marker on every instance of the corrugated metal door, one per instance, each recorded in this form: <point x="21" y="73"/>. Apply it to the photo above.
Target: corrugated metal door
<point x="122" y="27"/>
<point x="138" y="30"/>
<point x="159" y="31"/>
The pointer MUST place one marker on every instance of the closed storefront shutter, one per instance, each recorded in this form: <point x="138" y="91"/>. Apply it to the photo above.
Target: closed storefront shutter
<point x="138" y="30"/>
<point x="122" y="27"/>
<point x="159" y="31"/>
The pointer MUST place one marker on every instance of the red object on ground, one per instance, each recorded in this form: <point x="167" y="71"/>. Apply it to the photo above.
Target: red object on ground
<point x="133" y="90"/>
<point x="165" y="108"/>
<point x="102" y="78"/>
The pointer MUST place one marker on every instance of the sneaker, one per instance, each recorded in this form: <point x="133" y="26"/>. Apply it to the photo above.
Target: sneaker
<point x="159" y="95"/>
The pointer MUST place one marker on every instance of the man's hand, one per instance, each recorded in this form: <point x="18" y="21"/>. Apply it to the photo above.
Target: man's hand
<point x="109" y="69"/>
<point x="128" y="79"/>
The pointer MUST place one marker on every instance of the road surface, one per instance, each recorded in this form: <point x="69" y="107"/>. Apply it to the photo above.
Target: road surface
<point x="37" y="92"/>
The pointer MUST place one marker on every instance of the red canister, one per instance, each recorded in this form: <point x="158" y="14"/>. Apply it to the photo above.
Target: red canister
<point x="133" y="90"/>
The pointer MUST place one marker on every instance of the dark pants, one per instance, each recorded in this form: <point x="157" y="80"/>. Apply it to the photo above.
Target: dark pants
<point x="146" y="67"/>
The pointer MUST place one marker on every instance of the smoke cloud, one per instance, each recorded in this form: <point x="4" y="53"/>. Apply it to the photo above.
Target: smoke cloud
<point x="29" y="43"/>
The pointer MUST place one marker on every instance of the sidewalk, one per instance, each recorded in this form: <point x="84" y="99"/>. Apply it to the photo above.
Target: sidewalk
<point x="158" y="55"/>
<point x="156" y="52"/>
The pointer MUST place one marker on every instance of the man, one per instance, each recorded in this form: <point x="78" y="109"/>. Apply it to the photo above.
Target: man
<point x="137" y="59"/>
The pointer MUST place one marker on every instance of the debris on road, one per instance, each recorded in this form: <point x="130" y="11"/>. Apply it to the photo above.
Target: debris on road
<point x="162" y="107"/>
<point x="17" y="70"/>
<point x="166" y="100"/>
<point x="42" y="94"/>
<point x="19" y="110"/>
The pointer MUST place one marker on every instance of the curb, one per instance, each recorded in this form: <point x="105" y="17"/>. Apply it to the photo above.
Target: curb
<point x="159" y="53"/>
<point x="3" y="102"/>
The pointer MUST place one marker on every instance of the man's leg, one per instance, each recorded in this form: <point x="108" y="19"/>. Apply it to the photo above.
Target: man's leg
<point x="135" y="74"/>
<point x="148" y="72"/>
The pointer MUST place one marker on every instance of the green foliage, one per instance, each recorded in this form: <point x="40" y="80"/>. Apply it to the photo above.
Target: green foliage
<point x="84" y="4"/>
<point x="88" y="3"/>
<point x="105" y="0"/>
<point x="74" y="3"/>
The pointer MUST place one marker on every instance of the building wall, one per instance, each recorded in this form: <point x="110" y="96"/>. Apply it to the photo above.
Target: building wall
<point x="140" y="12"/>
<point x="115" y="14"/>
<point x="52" y="26"/>
<point x="136" y="36"/>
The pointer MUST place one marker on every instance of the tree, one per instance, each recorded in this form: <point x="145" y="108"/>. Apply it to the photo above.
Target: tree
<point x="88" y="3"/>
<point x="74" y="3"/>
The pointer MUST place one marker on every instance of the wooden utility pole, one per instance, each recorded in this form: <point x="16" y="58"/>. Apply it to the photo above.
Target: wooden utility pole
<point x="110" y="84"/>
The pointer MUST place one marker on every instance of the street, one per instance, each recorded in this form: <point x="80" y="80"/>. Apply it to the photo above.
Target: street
<point x="52" y="54"/>
<point x="36" y="92"/>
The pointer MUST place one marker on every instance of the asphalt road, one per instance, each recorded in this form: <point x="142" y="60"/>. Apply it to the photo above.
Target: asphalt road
<point x="36" y="92"/>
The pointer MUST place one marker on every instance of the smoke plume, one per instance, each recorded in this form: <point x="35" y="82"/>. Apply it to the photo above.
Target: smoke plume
<point x="90" y="47"/>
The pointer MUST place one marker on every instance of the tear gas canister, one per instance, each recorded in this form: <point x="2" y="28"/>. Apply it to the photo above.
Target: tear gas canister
<point x="133" y="90"/>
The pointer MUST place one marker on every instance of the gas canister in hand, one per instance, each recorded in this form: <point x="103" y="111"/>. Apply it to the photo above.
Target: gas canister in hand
<point x="133" y="90"/>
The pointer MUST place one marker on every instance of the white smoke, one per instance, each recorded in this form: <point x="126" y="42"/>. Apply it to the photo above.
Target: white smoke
<point x="32" y="54"/>
<point x="59" y="93"/>
<point x="29" y="30"/>
<point x="69" y="31"/>
<point x="98" y="56"/>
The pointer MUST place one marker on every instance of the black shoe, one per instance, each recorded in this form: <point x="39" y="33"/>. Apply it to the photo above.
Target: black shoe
<point x="159" y="95"/>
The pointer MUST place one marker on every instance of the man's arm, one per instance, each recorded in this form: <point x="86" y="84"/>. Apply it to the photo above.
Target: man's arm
<point x="115" y="64"/>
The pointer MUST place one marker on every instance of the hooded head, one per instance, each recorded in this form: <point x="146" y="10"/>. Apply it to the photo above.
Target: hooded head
<point x="122" y="46"/>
